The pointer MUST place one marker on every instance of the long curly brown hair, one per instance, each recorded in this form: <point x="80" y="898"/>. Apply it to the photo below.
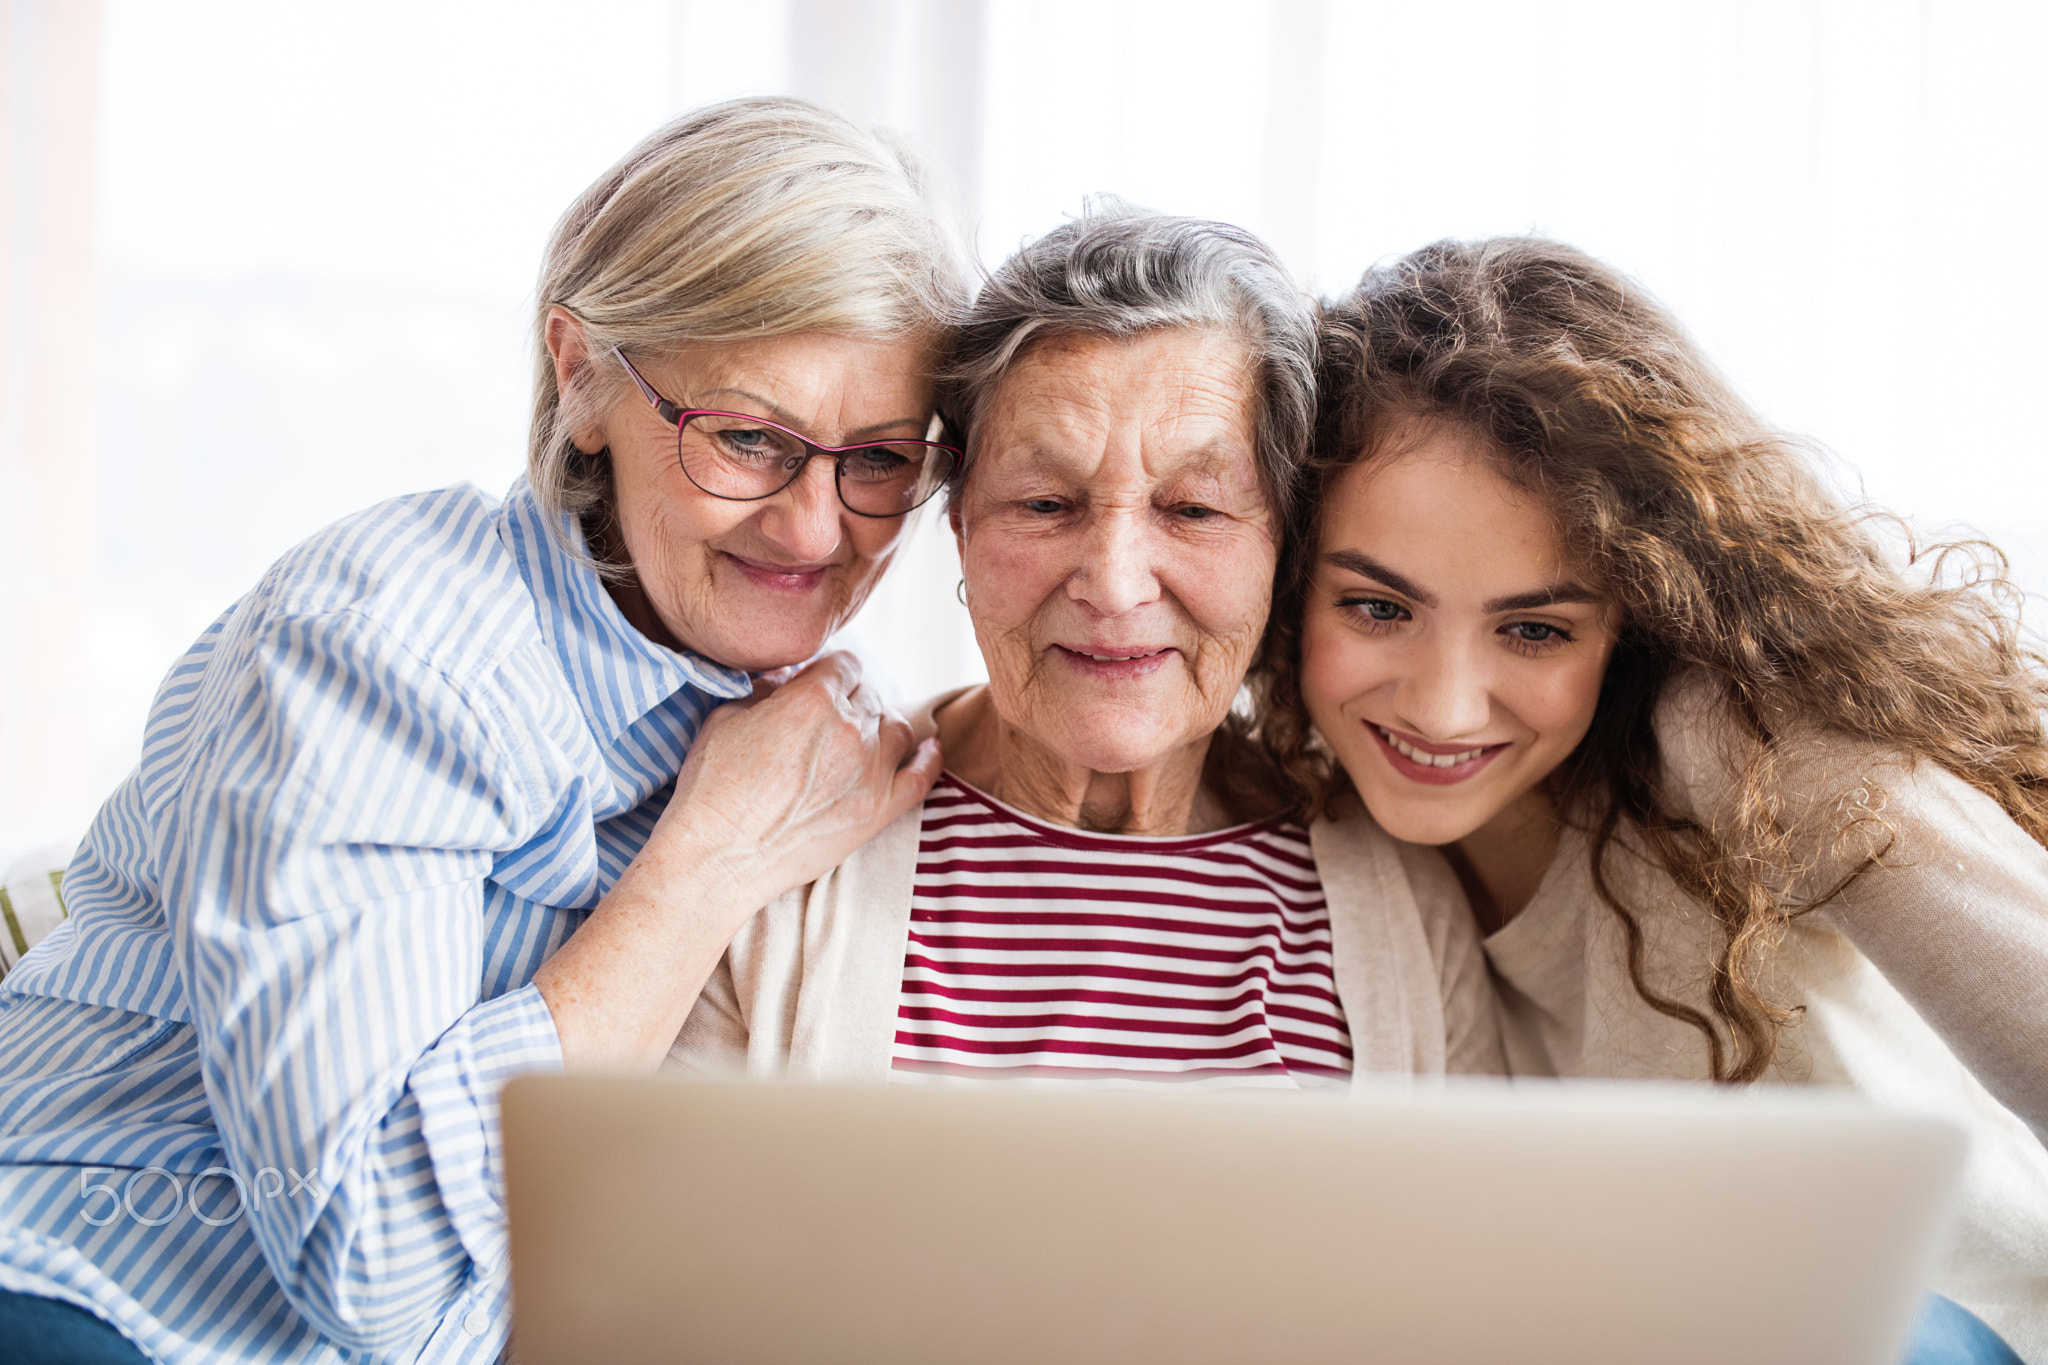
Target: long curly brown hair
<point x="1724" y="553"/>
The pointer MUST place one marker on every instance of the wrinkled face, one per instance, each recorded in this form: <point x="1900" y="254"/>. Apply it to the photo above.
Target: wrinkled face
<point x="1450" y="655"/>
<point x="756" y="585"/>
<point x="1117" y="546"/>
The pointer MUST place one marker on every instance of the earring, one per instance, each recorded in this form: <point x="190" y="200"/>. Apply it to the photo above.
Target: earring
<point x="960" y="591"/>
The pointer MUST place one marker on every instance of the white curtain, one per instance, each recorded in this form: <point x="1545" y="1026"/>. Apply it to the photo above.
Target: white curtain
<point x="49" y="413"/>
<point x="318" y="227"/>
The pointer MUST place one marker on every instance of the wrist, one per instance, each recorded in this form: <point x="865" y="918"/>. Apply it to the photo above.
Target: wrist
<point x="684" y="863"/>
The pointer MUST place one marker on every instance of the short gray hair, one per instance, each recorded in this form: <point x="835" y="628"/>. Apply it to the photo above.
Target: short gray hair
<point x="1119" y="271"/>
<point x="748" y="219"/>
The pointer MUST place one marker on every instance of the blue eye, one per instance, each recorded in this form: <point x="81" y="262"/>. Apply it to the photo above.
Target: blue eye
<point x="1536" y="632"/>
<point x="1043" y="506"/>
<point x="733" y="437"/>
<point x="874" y="464"/>
<point x="1377" y="611"/>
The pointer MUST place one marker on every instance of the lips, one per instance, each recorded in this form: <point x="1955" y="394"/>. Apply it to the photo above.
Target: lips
<point x="1114" y="663"/>
<point x="1436" y="765"/>
<point x="784" y="577"/>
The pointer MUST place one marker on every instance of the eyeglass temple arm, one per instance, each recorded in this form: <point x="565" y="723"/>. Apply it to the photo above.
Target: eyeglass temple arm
<point x="670" y="413"/>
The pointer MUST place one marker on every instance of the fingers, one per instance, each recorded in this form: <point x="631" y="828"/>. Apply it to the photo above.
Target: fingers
<point x="866" y="702"/>
<point x="896" y="739"/>
<point x="725" y="713"/>
<point x="913" y="781"/>
<point x="838" y="677"/>
<point x="838" y="672"/>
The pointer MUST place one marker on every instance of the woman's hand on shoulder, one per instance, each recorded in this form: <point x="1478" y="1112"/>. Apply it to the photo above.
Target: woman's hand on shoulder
<point x="777" y="791"/>
<point x="791" y="781"/>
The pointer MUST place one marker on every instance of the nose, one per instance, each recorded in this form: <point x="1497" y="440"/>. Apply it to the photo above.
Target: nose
<point x="803" y="520"/>
<point x="1447" y="694"/>
<point x="1116" y="572"/>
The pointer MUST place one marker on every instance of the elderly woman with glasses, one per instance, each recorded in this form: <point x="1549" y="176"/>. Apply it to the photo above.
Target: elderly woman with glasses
<point x="463" y="788"/>
<point x="1104" y="886"/>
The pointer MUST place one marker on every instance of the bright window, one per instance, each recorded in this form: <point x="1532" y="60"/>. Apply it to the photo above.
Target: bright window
<point x="318" y="228"/>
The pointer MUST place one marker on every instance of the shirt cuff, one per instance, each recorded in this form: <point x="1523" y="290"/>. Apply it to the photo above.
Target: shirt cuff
<point x="456" y="1088"/>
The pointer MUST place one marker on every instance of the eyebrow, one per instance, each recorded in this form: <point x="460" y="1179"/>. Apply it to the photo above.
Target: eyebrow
<point x="1365" y="566"/>
<point x="1555" y="594"/>
<point x="775" y="413"/>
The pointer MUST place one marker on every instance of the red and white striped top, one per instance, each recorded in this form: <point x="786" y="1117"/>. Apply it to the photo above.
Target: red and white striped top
<point x="1052" y="954"/>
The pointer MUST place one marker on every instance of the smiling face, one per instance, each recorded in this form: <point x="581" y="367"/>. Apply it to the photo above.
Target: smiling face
<point x="1451" y="655"/>
<point x="755" y="585"/>
<point x="1117" y="546"/>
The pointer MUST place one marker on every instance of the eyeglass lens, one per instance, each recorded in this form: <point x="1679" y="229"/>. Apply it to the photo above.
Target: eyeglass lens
<point x="730" y="455"/>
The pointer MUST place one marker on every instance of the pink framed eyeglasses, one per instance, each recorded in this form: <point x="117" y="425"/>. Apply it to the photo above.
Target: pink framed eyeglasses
<point x="744" y="458"/>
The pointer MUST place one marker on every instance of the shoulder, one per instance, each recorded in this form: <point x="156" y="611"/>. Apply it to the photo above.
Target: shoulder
<point x="389" y="627"/>
<point x="1814" y="769"/>
<point x="1699" y="740"/>
<point x="1408" y="960"/>
<point x="925" y="718"/>
<point x="877" y="879"/>
<point x="429" y="573"/>
<point x="810" y="985"/>
<point x="1359" y="861"/>
<point x="1352" y="842"/>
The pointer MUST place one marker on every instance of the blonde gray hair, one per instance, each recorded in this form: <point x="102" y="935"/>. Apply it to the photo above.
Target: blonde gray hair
<point x="749" y="219"/>
<point x="1119" y="271"/>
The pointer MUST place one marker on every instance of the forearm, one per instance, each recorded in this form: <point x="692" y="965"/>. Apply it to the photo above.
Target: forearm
<point x="1954" y="914"/>
<point x="1956" y="918"/>
<point x="771" y="796"/>
<point x="622" y="985"/>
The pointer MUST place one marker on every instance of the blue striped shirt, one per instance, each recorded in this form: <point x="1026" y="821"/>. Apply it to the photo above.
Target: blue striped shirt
<point x="248" y="1090"/>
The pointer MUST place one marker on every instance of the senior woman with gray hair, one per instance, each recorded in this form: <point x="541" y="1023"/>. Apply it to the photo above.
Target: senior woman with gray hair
<point x="451" y="794"/>
<point x="1103" y="886"/>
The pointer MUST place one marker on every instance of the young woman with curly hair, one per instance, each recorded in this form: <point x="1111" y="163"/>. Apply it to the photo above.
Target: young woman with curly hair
<point x="1734" y="792"/>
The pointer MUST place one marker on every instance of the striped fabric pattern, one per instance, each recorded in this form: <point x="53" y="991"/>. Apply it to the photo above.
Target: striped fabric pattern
<point x="1048" y="954"/>
<point x="248" y="1087"/>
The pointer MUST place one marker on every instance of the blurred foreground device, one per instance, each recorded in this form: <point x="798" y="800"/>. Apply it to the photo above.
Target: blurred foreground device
<point x="657" y="1220"/>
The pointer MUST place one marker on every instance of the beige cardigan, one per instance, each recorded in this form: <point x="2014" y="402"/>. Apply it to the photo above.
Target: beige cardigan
<point x="809" y="987"/>
<point x="1924" y="986"/>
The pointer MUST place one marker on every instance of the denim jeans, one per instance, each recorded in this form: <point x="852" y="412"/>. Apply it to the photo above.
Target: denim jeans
<point x="1947" y="1333"/>
<point x="47" y="1332"/>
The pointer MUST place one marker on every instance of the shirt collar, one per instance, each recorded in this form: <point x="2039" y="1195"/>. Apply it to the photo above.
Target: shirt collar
<point x="617" y="674"/>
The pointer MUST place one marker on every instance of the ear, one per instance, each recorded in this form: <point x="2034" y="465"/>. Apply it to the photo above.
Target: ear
<point x="569" y="347"/>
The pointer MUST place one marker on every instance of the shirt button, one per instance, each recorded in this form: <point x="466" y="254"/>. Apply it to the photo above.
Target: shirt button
<point x="477" y="1323"/>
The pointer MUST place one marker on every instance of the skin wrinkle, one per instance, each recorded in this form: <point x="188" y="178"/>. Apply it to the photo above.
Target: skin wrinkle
<point x="687" y="591"/>
<point x="776" y="789"/>
<point x="1075" y="533"/>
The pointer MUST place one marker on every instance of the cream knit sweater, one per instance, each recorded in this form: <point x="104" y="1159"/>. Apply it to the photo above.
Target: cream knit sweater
<point x="1925" y="985"/>
<point x="810" y="986"/>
